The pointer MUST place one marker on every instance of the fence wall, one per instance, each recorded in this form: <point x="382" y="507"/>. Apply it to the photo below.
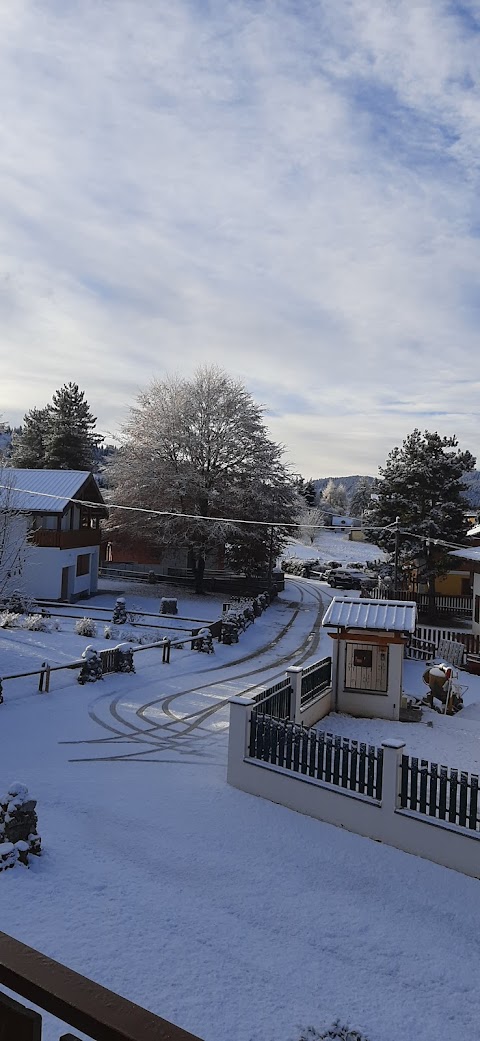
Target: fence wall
<point x="381" y="819"/>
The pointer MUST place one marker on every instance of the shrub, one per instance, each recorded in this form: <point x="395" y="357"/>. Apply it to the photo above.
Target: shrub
<point x="9" y="619"/>
<point x="337" y="1032"/>
<point x="36" y="623"/>
<point x="85" y="627"/>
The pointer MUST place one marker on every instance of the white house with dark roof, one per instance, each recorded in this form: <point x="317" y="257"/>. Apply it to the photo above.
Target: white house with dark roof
<point x="51" y="520"/>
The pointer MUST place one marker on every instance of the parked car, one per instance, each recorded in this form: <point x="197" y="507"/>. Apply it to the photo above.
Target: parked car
<point x="343" y="580"/>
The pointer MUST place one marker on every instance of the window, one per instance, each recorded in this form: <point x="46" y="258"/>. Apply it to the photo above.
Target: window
<point x="83" y="564"/>
<point x="477" y="609"/>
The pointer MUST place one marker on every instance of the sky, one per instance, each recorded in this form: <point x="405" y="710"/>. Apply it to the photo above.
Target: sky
<point x="286" y="189"/>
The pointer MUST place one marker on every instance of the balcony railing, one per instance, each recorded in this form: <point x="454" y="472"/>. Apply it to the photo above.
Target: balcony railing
<point x="49" y="539"/>
<point x="75" y="1000"/>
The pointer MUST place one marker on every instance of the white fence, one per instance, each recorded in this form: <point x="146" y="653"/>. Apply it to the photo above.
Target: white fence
<point x="381" y="819"/>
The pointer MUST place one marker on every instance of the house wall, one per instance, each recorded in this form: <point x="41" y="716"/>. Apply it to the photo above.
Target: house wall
<point x="42" y="576"/>
<point x="476" y="605"/>
<point x="366" y="702"/>
<point x="456" y="583"/>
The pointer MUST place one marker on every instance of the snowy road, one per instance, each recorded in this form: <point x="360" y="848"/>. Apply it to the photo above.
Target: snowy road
<point x="186" y="718"/>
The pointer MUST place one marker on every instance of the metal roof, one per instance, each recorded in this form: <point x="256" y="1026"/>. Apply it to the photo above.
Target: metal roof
<point x="42" y="491"/>
<point x="388" y="615"/>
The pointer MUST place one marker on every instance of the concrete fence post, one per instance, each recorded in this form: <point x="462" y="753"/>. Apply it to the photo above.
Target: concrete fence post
<point x="295" y="673"/>
<point x="392" y="758"/>
<point x="238" y="736"/>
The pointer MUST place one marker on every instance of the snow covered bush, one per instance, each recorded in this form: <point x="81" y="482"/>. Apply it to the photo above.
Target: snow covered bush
<point x="110" y="633"/>
<point x="92" y="668"/>
<point x="20" y="603"/>
<point x="36" y="623"/>
<point x="18" y="827"/>
<point x="337" y="1032"/>
<point x="119" y="616"/>
<point x="85" y="627"/>
<point x="9" y="619"/>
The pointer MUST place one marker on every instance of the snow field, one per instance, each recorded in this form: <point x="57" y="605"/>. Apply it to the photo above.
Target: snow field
<point x="231" y="916"/>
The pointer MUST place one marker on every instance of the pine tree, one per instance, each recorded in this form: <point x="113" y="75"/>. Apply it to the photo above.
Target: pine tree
<point x="28" y="448"/>
<point x="70" y="441"/>
<point x="421" y="483"/>
<point x="361" y="498"/>
<point x="310" y="494"/>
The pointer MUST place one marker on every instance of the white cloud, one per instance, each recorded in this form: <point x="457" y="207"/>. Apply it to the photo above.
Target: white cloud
<point x="288" y="191"/>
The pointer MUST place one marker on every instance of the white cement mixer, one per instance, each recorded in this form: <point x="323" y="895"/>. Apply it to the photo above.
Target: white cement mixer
<point x="440" y="680"/>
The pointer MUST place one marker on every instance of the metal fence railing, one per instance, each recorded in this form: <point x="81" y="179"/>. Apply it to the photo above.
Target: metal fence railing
<point x="315" y="679"/>
<point x="325" y="757"/>
<point x="275" y="700"/>
<point x="440" y="792"/>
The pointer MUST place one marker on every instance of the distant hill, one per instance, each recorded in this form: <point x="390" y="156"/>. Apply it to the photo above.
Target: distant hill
<point x="472" y="480"/>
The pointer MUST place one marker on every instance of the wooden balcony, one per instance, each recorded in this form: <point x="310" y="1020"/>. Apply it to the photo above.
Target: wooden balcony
<point x="49" y="539"/>
<point x="72" y="998"/>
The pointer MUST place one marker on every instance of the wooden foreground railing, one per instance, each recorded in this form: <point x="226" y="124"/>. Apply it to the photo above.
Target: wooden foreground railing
<point x="71" y="998"/>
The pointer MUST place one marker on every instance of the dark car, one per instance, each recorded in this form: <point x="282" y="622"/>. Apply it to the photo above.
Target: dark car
<point x="343" y="580"/>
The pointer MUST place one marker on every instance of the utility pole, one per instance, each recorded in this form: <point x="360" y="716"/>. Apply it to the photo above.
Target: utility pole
<point x="395" y="559"/>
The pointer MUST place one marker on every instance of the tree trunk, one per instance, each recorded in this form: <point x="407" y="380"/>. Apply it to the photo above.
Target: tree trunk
<point x="431" y="596"/>
<point x="197" y="565"/>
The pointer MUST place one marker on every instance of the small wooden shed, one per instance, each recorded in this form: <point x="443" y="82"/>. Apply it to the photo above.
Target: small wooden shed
<point x="369" y="637"/>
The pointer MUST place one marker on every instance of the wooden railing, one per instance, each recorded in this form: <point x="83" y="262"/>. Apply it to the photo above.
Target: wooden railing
<point x="49" y="539"/>
<point x="71" y="998"/>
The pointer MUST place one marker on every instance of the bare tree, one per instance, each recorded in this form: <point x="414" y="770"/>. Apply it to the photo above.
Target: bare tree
<point x="199" y="447"/>
<point x="13" y="537"/>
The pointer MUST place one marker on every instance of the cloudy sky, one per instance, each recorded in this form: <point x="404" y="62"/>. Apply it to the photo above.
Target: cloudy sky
<point x="287" y="189"/>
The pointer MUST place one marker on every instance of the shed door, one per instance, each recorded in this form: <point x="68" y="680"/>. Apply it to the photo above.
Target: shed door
<point x="366" y="667"/>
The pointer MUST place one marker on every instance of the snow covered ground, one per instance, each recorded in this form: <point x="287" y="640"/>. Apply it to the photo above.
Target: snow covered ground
<point x="330" y="545"/>
<point x="233" y="917"/>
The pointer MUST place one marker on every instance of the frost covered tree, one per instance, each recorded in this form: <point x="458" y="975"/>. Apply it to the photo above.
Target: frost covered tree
<point x="13" y="537"/>
<point x="361" y="497"/>
<point x="199" y="446"/>
<point x="334" y="497"/>
<point x="421" y="483"/>
<point x="28" y="449"/>
<point x="310" y="520"/>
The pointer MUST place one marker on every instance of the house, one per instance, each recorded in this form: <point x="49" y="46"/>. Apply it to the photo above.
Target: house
<point x="470" y="558"/>
<point x="51" y="525"/>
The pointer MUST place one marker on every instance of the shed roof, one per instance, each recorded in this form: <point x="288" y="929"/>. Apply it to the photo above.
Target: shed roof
<point x="387" y="615"/>
<point x="46" y="491"/>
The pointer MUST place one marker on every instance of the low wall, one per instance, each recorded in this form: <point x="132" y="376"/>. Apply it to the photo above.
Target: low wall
<point x="384" y="821"/>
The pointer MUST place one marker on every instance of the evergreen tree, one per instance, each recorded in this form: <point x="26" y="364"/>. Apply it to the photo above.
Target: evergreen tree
<point x="361" y="498"/>
<point x="70" y="441"/>
<point x="310" y="494"/>
<point x="29" y="444"/>
<point x="421" y="483"/>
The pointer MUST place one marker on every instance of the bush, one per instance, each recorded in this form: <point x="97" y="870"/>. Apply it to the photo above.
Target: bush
<point x="36" y="623"/>
<point x="85" y="627"/>
<point x="337" y="1032"/>
<point x="9" y="619"/>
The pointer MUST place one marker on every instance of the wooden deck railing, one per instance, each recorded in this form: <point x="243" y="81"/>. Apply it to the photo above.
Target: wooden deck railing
<point x="49" y="539"/>
<point x="71" y="998"/>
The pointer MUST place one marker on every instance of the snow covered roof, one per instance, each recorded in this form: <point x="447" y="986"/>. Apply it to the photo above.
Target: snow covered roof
<point x="472" y="553"/>
<point x="388" y="615"/>
<point x="46" y="491"/>
<point x="475" y="530"/>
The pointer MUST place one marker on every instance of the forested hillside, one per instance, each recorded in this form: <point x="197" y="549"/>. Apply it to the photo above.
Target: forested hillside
<point x="472" y="480"/>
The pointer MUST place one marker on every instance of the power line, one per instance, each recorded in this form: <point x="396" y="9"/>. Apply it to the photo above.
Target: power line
<point x="225" y="520"/>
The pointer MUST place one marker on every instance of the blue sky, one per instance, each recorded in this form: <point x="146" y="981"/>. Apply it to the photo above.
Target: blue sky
<point x="289" y="190"/>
